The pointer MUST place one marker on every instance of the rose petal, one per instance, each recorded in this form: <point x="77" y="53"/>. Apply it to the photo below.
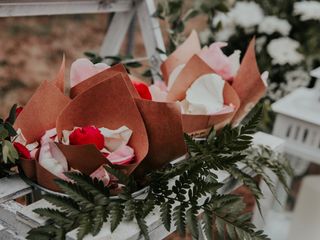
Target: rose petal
<point x="222" y="65"/>
<point x="52" y="159"/>
<point x="157" y="93"/>
<point x="20" y="138"/>
<point x="114" y="139"/>
<point x="122" y="156"/>
<point x="102" y="175"/>
<point x="49" y="135"/>
<point x="22" y="150"/>
<point x="87" y="135"/>
<point x="82" y="69"/>
<point x="142" y="89"/>
<point x="205" y="96"/>
<point x="264" y="77"/>
<point x="174" y="74"/>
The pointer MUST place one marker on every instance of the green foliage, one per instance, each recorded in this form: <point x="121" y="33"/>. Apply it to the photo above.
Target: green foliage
<point x="177" y="14"/>
<point x="8" y="154"/>
<point x="179" y="191"/>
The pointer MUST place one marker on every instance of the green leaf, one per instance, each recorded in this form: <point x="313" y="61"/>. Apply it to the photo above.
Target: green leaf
<point x="208" y="223"/>
<point x="147" y="73"/>
<point x="99" y="215"/>
<point x="94" y="187"/>
<point x="4" y="133"/>
<point x="190" y="14"/>
<point x="11" y="131"/>
<point x="64" y="203"/>
<point x="9" y="153"/>
<point x="85" y="226"/>
<point x="82" y="197"/>
<point x="179" y="218"/>
<point x="12" y="115"/>
<point x="192" y="222"/>
<point x="143" y="228"/>
<point x="133" y="64"/>
<point x="55" y="215"/>
<point x="116" y="213"/>
<point x="165" y="214"/>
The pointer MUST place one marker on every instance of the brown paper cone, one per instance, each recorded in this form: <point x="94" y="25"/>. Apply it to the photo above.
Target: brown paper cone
<point x="107" y="104"/>
<point x="194" y="68"/>
<point x="181" y="55"/>
<point x="103" y="76"/>
<point x="164" y="127"/>
<point x="199" y="125"/>
<point x="85" y="158"/>
<point x="59" y="80"/>
<point x="248" y="83"/>
<point x="41" y="111"/>
<point x="28" y="167"/>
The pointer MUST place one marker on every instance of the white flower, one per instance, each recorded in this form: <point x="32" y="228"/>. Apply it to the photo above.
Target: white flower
<point x="284" y="50"/>
<point x="295" y="79"/>
<point x="246" y="14"/>
<point x="308" y="10"/>
<point x="227" y="25"/>
<point x="272" y="24"/>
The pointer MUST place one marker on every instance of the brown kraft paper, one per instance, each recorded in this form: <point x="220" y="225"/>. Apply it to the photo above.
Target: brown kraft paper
<point x="41" y="111"/>
<point x="181" y="55"/>
<point x="107" y="104"/>
<point x="248" y="83"/>
<point x="164" y="127"/>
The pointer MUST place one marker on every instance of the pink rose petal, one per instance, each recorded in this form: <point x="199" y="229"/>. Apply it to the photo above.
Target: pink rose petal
<point x="223" y="65"/>
<point x="82" y="69"/>
<point x="158" y="92"/>
<point x="102" y="175"/>
<point x="121" y="156"/>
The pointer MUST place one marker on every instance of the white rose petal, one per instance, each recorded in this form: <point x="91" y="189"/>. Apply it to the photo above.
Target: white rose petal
<point x="205" y="96"/>
<point x="264" y="77"/>
<point x="52" y="159"/>
<point x="114" y="139"/>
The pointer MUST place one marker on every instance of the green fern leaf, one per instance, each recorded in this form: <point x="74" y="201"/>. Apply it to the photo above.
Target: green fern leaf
<point x="116" y="214"/>
<point x="165" y="214"/>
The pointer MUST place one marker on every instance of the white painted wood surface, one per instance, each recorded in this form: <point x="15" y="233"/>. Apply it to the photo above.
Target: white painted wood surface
<point x="13" y="187"/>
<point x="116" y="33"/>
<point x="152" y="36"/>
<point x="17" y="8"/>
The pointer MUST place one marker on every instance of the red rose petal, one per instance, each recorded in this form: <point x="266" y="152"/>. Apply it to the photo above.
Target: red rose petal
<point x="143" y="90"/>
<point x="87" y="135"/>
<point x="22" y="150"/>
<point x="18" y="111"/>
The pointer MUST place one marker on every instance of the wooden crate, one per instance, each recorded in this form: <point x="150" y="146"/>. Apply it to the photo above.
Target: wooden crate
<point x="17" y="219"/>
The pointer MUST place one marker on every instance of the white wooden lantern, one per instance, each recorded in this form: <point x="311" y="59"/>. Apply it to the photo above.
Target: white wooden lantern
<point x="298" y="122"/>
